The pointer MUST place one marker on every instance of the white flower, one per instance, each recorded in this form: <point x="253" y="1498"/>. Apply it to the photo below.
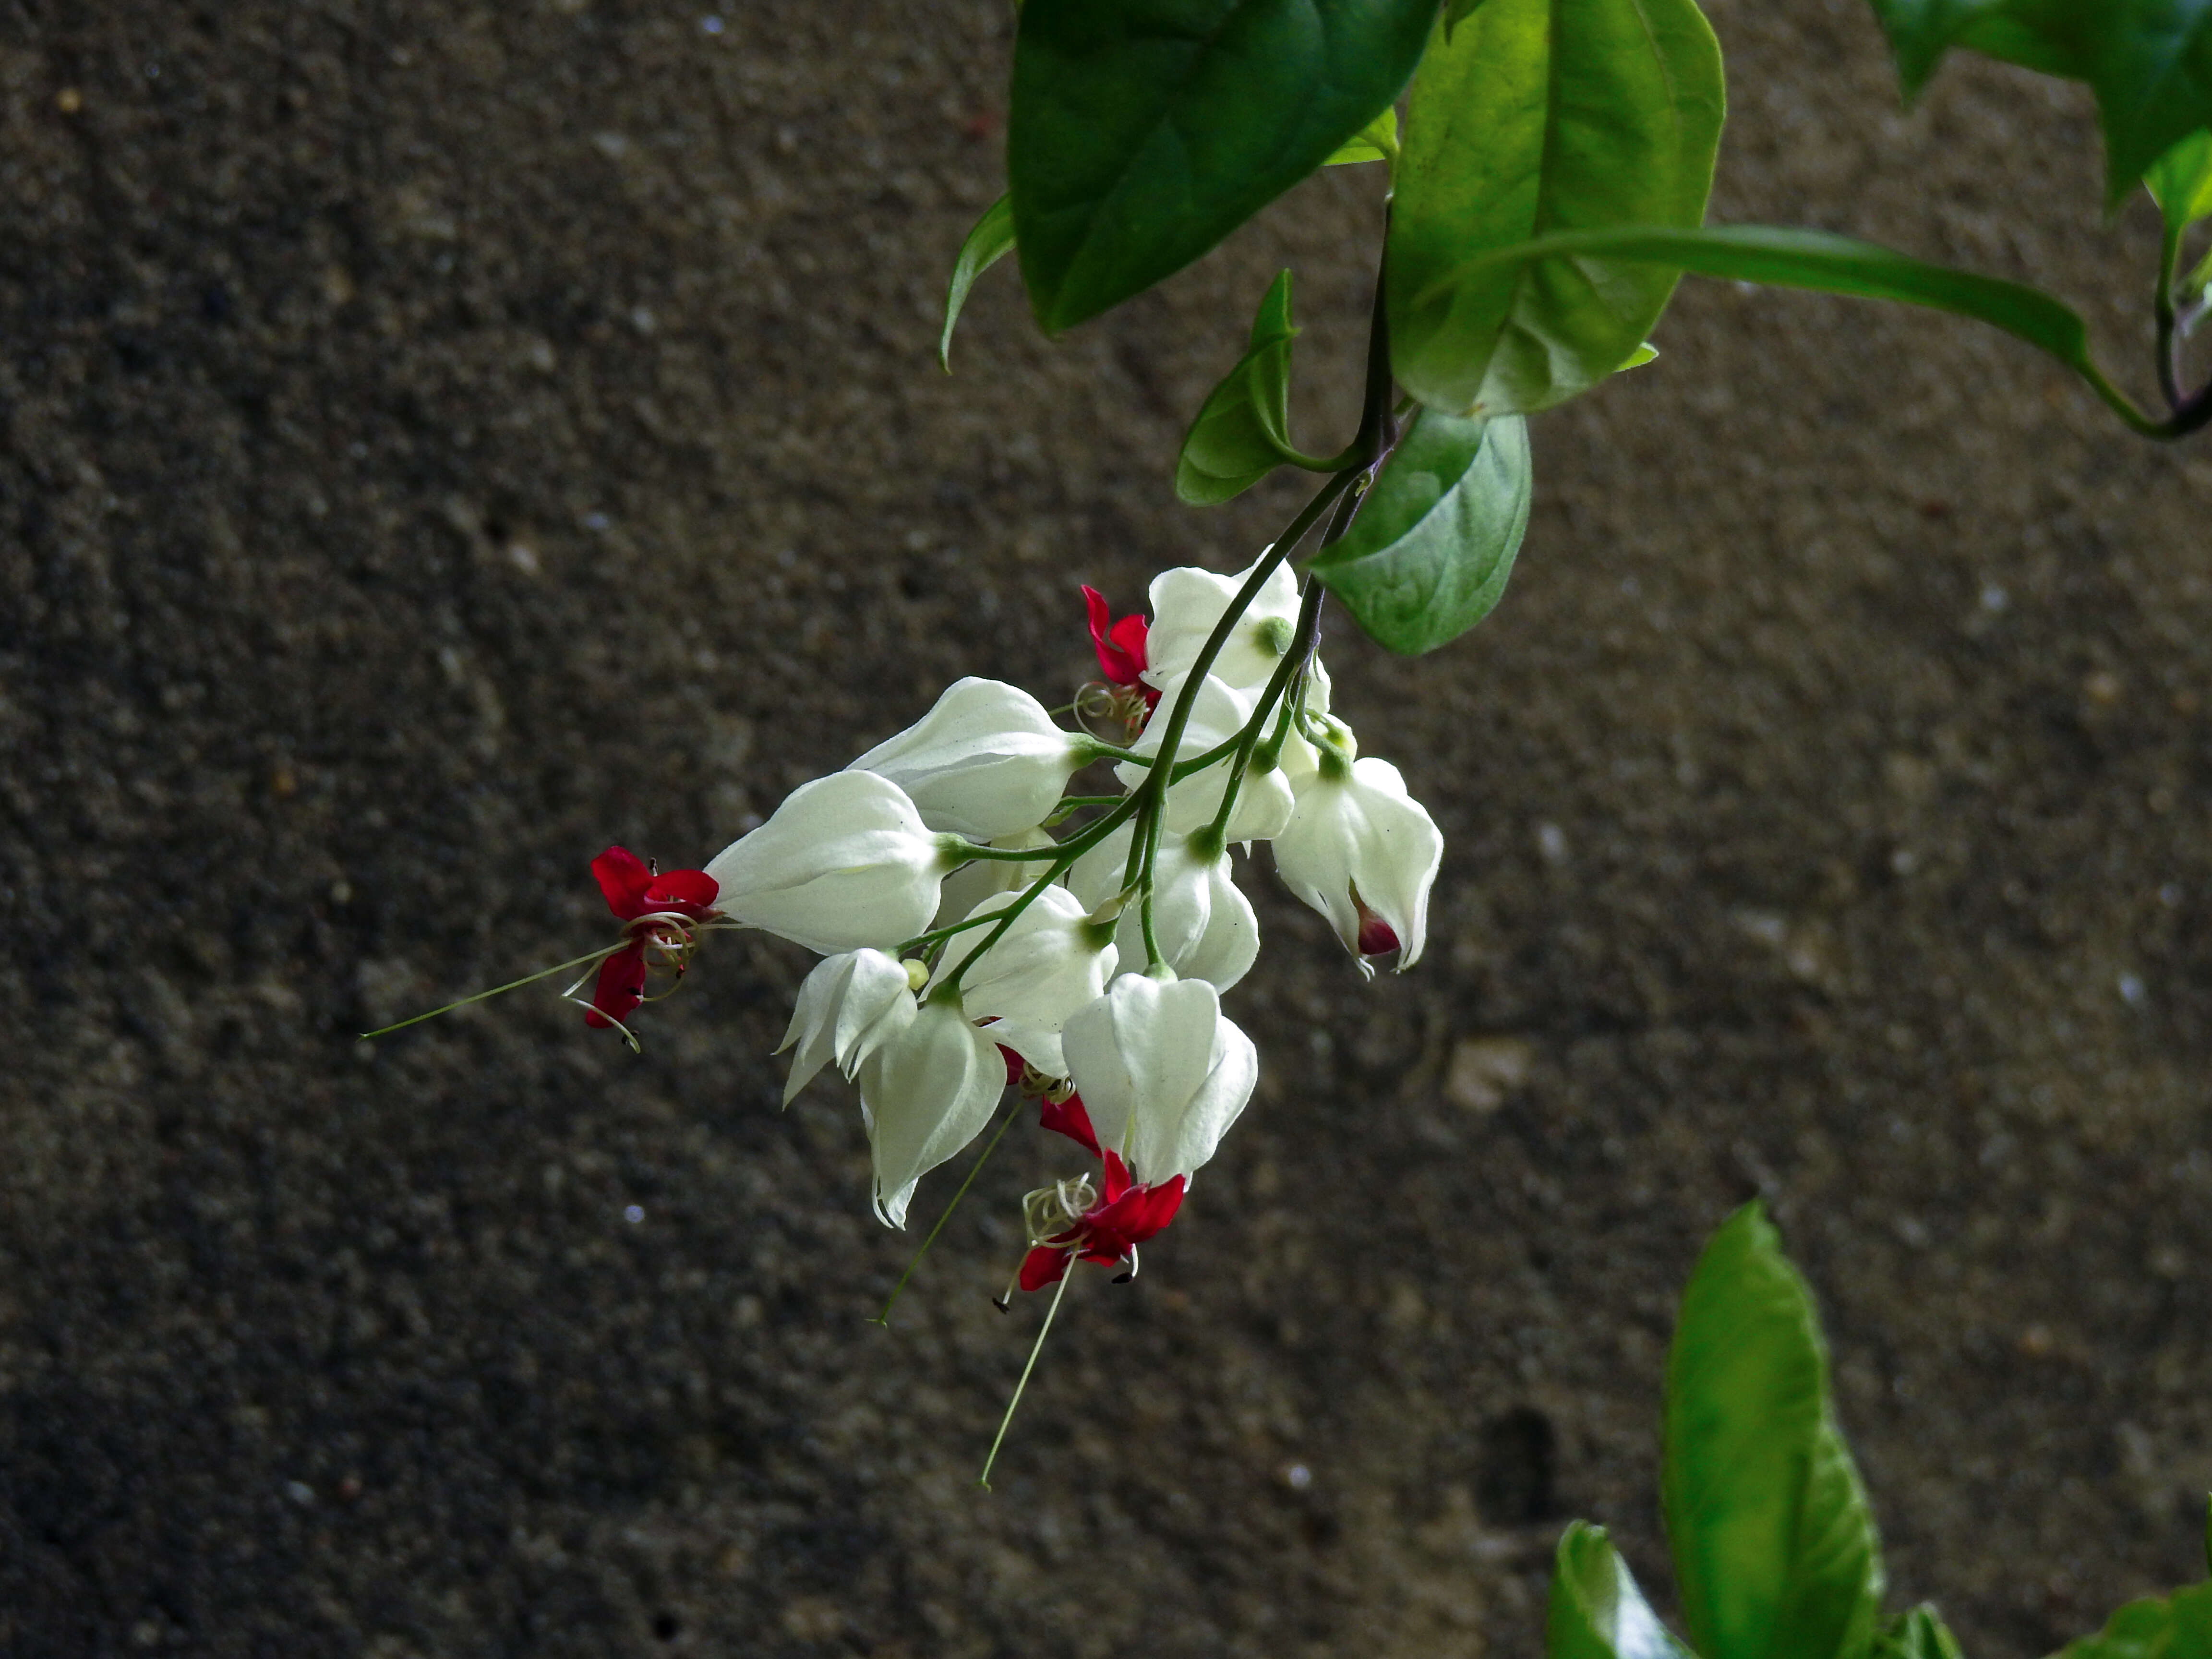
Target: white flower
<point x="1162" y="1074"/>
<point x="1217" y="713"/>
<point x="1363" y="852"/>
<point x="1202" y="919"/>
<point x="977" y="879"/>
<point x="924" y="1095"/>
<point x="1052" y="960"/>
<point x="845" y="862"/>
<point x="1187" y="603"/>
<point x="849" y="1006"/>
<point x="987" y="760"/>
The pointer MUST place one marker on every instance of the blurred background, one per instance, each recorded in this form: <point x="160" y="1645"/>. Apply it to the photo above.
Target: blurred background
<point x="441" y="440"/>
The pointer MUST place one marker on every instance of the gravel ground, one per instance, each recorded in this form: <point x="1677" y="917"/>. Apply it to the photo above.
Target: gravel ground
<point x="441" y="440"/>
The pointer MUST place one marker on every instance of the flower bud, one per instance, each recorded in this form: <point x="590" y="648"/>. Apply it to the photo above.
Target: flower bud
<point x="1161" y="1071"/>
<point x="849" y="1006"/>
<point x="924" y="1095"/>
<point x="987" y="760"/>
<point x="845" y="862"/>
<point x="1362" y="852"/>
<point x="1186" y="604"/>
<point x="1203" y="922"/>
<point x="1052" y="960"/>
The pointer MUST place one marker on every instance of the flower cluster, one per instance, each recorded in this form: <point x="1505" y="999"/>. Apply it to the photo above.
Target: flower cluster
<point x="980" y="925"/>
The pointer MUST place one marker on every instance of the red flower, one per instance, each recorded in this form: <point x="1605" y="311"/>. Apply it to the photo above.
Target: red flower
<point x="660" y="912"/>
<point x="1119" y="644"/>
<point x="1376" y="936"/>
<point x="1110" y="1230"/>
<point x="1067" y="1117"/>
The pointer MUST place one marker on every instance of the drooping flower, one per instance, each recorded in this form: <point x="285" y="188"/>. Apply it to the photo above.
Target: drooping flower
<point x="1121" y="645"/>
<point x="985" y="761"/>
<point x="1364" y="852"/>
<point x="1069" y="1222"/>
<point x="925" y="1095"/>
<point x="1051" y="960"/>
<point x="1163" y="1075"/>
<point x="845" y="862"/>
<point x="658" y="914"/>
<point x="1218" y="712"/>
<point x="1187" y="604"/>
<point x="848" y="1007"/>
<point x="1202" y="921"/>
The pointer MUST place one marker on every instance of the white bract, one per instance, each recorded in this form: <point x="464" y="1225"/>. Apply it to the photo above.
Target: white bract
<point x="1188" y="604"/>
<point x="1358" y="839"/>
<point x="845" y="862"/>
<point x="849" y="1006"/>
<point x="1162" y="1073"/>
<point x="985" y="761"/>
<point x="976" y="880"/>
<point x="1201" y="920"/>
<point x="1052" y="959"/>
<point x="924" y="1095"/>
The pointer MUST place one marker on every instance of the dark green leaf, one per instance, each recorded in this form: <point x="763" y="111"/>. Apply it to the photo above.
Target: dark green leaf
<point x="2181" y="182"/>
<point x="2178" y="1626"/>
<point x="990" y="242"/>
<point x="1774" y="1546"/>
<point x="1921" y="31"/>
<point x="1429" y="555"/>
<point x="1919" y="1634"/>
<point x="1596" y="1612"/>
<point x="1140" y="133"/>
<point x="1836" y="265"/>
<point x="1243" y="430"/>
<point x="1540" y="117"/>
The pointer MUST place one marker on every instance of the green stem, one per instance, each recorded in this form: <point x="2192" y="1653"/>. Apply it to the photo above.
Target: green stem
<point x="1036" y="1348"/>
<point x="2169" y="354"/>
<point x="1091" y="834"/>
<point x="1303" y="639"/>
<point x="498" y="990"/>
<point x="975" y="1168"/>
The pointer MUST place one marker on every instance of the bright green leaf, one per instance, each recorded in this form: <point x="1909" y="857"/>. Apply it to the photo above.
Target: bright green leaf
<point x="1243" y="430"/>
<point x="2181" y="182"/>
<point x="1140" y="133"/>
<point x="1919" y="1634"/>
<point x="1540" y="117"/>
<point x="1596" y="1612"/>
<point x="1455" y="12"/>
<point x="1646" y="353"/>
<point x="1833" y="265"/>
<point x="990" y="242"/>
<point x="1430" y="552"/>
<point x="2178" y="1626"/>
<point x="1376" y="142"/>
<point x="1774" y="1546"/>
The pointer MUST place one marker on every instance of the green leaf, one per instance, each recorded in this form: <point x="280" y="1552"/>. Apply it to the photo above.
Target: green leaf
<point x="1646" y="353"/>
<point x="2181" y="182"/>
<point x="990" y="242"/>
<point x="1596" y="1612"/>
<point x="2178" y="1626"/>
<point x="1919" y="1634"/>
<point x="1376" y="142"/>
<point x="1455" y="12"/>
<point x="1243" y="430"/>
<point x="1921" y="31"/>
<point x="1539" y="117"/>
<point x="1430" y="552"/>
<point x="1140" y="133"/>
<point x="1774" y="1546"/>
<point x="1833" y="265"/>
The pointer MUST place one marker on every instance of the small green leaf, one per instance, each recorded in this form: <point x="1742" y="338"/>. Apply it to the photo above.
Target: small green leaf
<point x="1596" y="1612"/>
<point x="2181" y="182"/>
<point x="1836" y="265"/>
<point x="1774" y="1546"/>
<point x="1646" y="353"/>
<point x="2178" y="1626"/>
<point x="1376" y="142"/>
<point x="1429" y="555"/>
<point x="1539" y="117"/>
<point x="1919" y="1634"/>
<point x="1243" y="430"/>
<point x="990" y="242"/>
<point x="1140" y="133"/>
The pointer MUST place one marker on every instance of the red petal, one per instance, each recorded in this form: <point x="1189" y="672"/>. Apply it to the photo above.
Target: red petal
<point x="620" y="987"/>
<point x="1129" y="633"/>
<point x="1043" y="1267"/>
<point x="1161" y="1203"/>
<point x="1111" y="639"/>
<point x="1016" y="1067"/>
<point x="1117" y="1181"/>
<point x="1376" y="936"/>
<point x="1068" y="1118"/>
<point x="692" y="892"/>
<point x="623" y="878"/>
